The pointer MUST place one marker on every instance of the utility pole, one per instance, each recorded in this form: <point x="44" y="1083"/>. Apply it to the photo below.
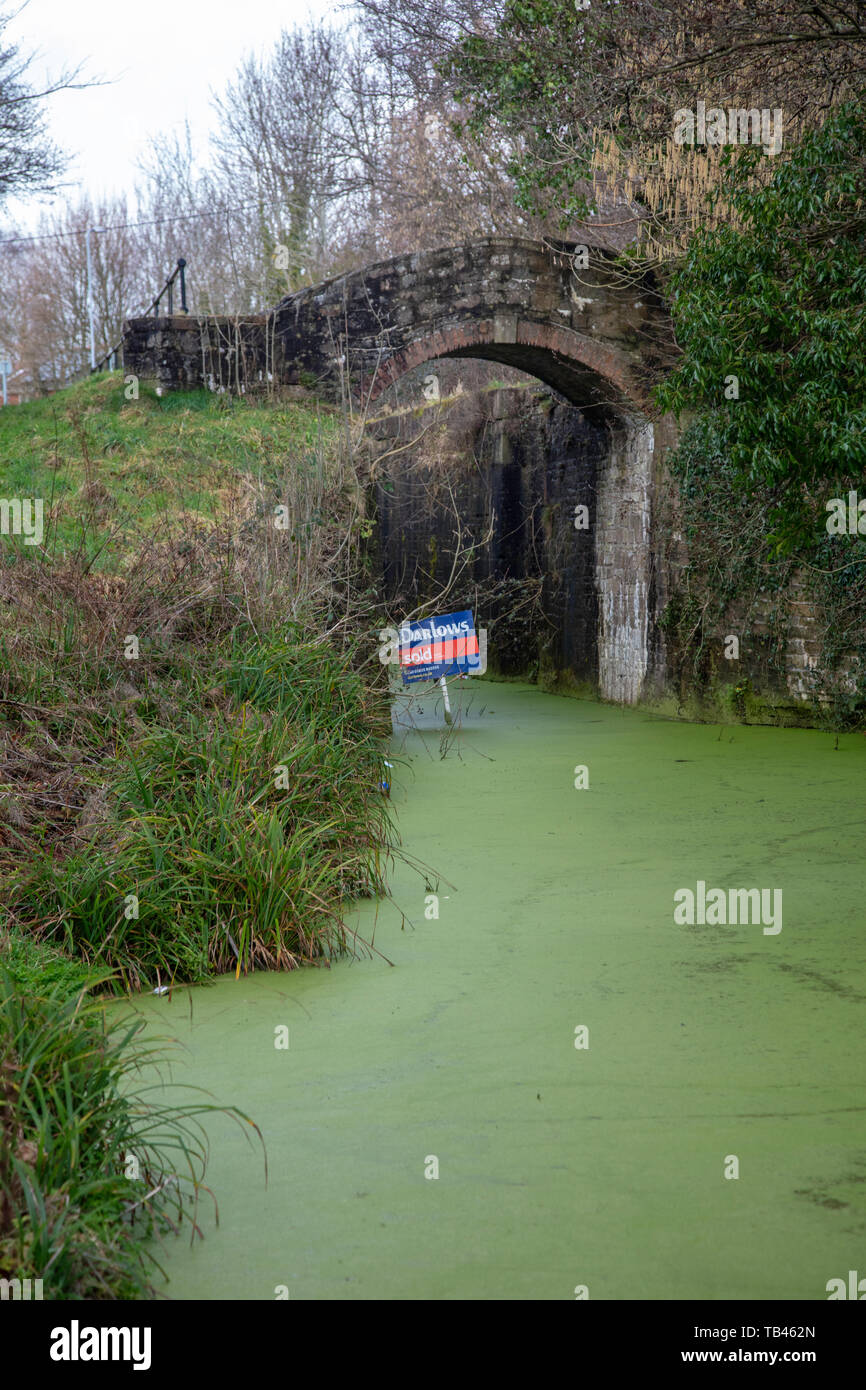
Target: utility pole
<point x="90" y="295"/>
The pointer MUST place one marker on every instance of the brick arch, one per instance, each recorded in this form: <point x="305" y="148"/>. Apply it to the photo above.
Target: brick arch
<point x="587" y="373"/>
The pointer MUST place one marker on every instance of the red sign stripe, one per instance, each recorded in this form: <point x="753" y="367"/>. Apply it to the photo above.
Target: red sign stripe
<point x="449" y="650"/>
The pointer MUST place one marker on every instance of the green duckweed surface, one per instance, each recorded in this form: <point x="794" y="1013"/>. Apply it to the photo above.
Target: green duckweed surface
<point x="560" y="1166"/>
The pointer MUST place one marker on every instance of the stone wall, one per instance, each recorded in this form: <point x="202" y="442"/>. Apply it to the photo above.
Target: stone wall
<point x="188" y="353"/>
<point x="507" y="471"/>
<point x="779" y="634"/>
<point x="623" y="561"/>
<point x="802" y="645"/>
<point x="581" y="329"/>
<point x="803" y="648"/>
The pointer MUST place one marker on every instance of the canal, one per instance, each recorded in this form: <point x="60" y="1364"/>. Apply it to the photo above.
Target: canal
<point x="617" y="1104"/>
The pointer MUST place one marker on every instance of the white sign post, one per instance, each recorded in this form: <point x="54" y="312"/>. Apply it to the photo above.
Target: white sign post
<point x="443" y="686"/>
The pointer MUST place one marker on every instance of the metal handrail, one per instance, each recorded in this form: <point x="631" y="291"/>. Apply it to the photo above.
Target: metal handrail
<point x="168" y="287"/>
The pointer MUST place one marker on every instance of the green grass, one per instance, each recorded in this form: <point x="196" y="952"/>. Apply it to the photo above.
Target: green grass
<point x="36" y="965"/>
<point x="210" y="802"/>
<point x="106" y="465"/>
<point x="241" y="830"/>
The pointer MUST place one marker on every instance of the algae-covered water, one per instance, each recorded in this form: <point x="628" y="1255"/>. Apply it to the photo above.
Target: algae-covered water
<point x="561" y="1167"/>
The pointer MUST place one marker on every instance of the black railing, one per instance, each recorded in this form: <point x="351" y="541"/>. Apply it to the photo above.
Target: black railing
<point x="168" y="288"/>
<point x="110" y="358"/>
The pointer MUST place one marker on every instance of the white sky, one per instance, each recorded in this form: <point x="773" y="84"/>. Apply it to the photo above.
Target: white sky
<point x="162" y="56"/>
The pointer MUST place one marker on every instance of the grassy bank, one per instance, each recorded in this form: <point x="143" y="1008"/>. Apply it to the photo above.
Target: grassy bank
<point x="191" y="765"/>
<point x="191" y="724"/>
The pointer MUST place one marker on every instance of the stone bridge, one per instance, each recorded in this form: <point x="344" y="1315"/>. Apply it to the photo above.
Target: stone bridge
<point x="567" y="316"/>
<point x="561" y="313"/>
<point x="564" y="313"/>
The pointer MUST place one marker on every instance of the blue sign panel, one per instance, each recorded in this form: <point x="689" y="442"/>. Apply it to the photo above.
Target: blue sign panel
<point x="436" y="647"/>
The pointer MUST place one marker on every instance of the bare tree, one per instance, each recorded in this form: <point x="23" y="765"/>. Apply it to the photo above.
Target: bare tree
<point x="186" y="209"/>
<point x="280" y="146"/>
<point x="44" y="321"/>
<point x="29" y="159"/>
<point x="435" y="190"/>
<point x="588" y="91"/>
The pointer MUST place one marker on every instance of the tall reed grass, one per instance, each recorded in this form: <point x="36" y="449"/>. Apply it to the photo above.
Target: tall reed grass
<point x="93" y="1159"/>
<point x="241" y="831"/>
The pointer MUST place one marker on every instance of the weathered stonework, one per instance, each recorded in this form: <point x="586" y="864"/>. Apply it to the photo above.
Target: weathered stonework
<point x="186" y="353"/>
<point x="506" y="299"/>
<point x="510" y="300"/>
<point x="504" y="471"/>
<point x="623" y="561"/>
